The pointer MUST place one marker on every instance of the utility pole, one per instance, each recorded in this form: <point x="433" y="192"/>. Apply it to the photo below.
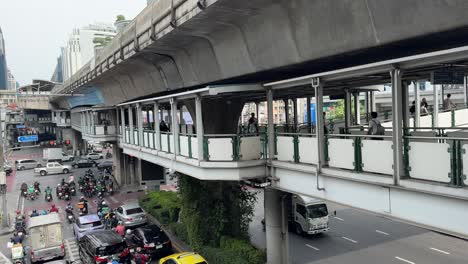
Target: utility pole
<point x="3" y="188"/>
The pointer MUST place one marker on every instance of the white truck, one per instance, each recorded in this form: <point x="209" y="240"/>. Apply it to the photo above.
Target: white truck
<point x="45" y="237"/>
<point x="308" y="215"/>
<point x="56" y="154"/>
<point x="53" y="168"/>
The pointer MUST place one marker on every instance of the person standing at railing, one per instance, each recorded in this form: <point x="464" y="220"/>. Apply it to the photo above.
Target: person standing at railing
<point x="375" y="128"/>
<point x="448" y="104"/>
<point x="163" y="126"/>
<point x="424" y="107"/>
<point x="253" y="124"/>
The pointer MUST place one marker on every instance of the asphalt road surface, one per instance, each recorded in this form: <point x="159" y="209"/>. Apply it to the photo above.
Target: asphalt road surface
<point x="363" y="238"/>
<point x="14" y="182"/>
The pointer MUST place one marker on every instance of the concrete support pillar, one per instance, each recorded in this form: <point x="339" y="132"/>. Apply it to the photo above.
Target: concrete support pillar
<point x="130" y="124"/>
<point x="116" y="158"/>
<point x="157" y="129"/>
<point x="93" y="122"/>
<point x="347" y="109"/>
<point x="465" y="92"/>
<point x="271" y="127"/>
<point x="82" y="122"/>
<point x="372" y="101"/>
<point x="138" y="171"/>
<point x="122" y="121"/>
<point x="435" y="111"/>
<point x="139" y="117"/>
<point x="175" y="126"/>
<point x="317" y="84"/>
<point x="117" y="121"/>
<point x="276" y="235"/>
<point x="405" y="104"/>
<point x="295" y="114"/>
<point x="417" y="105"/>
<point x="357" y="109"/>
<point x="367" y="104"/>
<point x="309" y="114"/>
<point x="286" y="111"/>
<point x="397" y="130"/>
<point x="257" y="111"/>
<point x="199" y="127"/>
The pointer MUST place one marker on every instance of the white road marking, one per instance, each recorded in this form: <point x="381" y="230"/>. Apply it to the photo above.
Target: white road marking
<point x="113" y="199"/>
<point x="337" y="218"/>
<point x="405" y="260"/>
<point x="382" y="232"/>
<point x="441" y="251"/>
<point x="350" y="240"/>
<point x="312" y="247"/>
<point x="7" y="260"/>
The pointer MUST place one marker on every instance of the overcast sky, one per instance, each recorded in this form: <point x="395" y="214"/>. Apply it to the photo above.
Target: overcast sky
<point x="34" y="30"/>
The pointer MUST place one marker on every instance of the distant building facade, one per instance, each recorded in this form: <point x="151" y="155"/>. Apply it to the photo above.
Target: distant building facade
<point x="81" y="46"/>
<point x="3" y="64"/>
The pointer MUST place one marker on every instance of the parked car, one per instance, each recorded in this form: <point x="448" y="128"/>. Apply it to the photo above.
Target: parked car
<point x="183" y="258"/>
<point x="97" y="246"/>
<point x="94" y="156"/>
<point x="84" y="163"/>
<point x="153" y="239"/>
<point x="85" y="224"/>
<point x="107" y="164"/>
<point x="131" y="214"/>
<point x="53" y="168"/>
<point x="26" y="164"/>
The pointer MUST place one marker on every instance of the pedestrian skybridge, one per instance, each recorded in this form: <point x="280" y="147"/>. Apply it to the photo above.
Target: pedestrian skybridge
<point x="421" y="160"/>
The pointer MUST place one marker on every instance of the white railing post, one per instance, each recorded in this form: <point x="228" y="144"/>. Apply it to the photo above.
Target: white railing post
<point x="200" y="131"/>
<point x="140" y="124"/>
<point x="417" y="105"/>
<point x="130" y="124"/>
<point x="122" y="119"/>
<point x="157" y="129"/>
<point x="175" y="126"/>
<point x="271" y="127"/>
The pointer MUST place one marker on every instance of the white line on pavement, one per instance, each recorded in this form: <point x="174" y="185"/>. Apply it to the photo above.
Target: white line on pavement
<point x="312" y="247"/>
<point x="404" y="260"/>
<point x="337" y="218"/>
<point x="382" y="232"/>
<point x="441" y="251"/>
<point x="350" y="240"/>
<point x="113" y="199"/>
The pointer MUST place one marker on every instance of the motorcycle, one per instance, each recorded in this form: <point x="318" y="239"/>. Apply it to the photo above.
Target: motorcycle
<point x="32" y="197"/>
<point x="49" y="197"/>
<point x="36" y="192"/>
<point x="66" y="197"/>
<point x="60" y="195"/>
<point x="17" y="254"/>
<point x="81" y="188"/>
<point x="70" y="216"/>
<point x="25" y="194"/>
<point x="73" y="191"/>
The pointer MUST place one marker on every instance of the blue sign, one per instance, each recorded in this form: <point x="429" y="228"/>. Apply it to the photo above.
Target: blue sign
<point x="30" y="138"/>
<point x="312" y="114"/>
<point x="20" y="126"/>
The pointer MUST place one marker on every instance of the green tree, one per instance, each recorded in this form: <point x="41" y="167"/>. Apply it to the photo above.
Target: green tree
<point x="120" y="18"/>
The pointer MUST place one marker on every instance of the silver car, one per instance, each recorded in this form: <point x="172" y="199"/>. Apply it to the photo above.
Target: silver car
<point x="26" y="164"/>
<point x="94" y="156"/>
<point x="131" y="214"/>
<point x="85" y="224"/>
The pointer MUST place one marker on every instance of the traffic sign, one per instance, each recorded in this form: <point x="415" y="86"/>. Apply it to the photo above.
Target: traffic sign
<point x="20" y="126"/>
<point x="30" y="138"/>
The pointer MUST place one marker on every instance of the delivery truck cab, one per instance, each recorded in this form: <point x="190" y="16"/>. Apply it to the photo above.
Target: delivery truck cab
<point x="45" y="237"/>
<point x="308" y="215"/>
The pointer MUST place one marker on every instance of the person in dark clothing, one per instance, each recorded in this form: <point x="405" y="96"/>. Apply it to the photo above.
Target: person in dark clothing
<point x="163" y="126"/>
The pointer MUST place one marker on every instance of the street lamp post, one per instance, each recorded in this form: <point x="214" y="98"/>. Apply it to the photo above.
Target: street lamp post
<point x="3" y="187"/>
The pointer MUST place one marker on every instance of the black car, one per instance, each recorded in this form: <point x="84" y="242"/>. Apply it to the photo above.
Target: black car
<point x="97" y="246"/>
<point x="84" y="163"/>
<point x="107" y="164"/>
<point x="153" y="240"/>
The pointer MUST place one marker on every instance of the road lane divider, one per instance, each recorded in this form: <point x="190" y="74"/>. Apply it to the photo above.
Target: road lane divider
<point x="337" y="218"/>
<point x="382" y="232"/>
<point x="349" y="239"/>
<point x="405" y="260"/>
<point x="312" y="247"/>
<point x="440" y="251"/>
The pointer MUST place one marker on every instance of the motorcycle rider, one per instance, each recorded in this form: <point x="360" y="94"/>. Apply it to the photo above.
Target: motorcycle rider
<point x="48" y="191"/>
<point x="58" y="190"/>
<point x="37" y="186"/>
<point x="34" y="213"/>
<point x="63" y="182"/>
<point x="129" y="239"/>
<point x="24" y="188"/>
<point x="84" y="204"/>
<point x="53" y="209"/>
<point x="31" y="191"/>
<point x="139" y="257"/>
<point x="16" y="239"/>
<point x="120" y="229"/>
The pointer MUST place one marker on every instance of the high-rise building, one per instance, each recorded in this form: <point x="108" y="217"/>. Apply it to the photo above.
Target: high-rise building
<point x="3" y="65"/>
<point x="81" y="46"/>
<point x="58" y="73"/>
<point x="12" y="83"/>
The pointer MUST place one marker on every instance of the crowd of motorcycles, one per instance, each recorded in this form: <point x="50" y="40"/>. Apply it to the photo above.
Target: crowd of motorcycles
<point x="89" y="186"/>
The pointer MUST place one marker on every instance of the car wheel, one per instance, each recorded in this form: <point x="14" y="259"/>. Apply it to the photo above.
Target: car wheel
<point x="298" y="229"/>
<point x="93" y="165"/>
<point x="21" y="168"/>
<point x="43" y="173"/>
<point x="65" y="171"/>
<point x="75" y="166"/>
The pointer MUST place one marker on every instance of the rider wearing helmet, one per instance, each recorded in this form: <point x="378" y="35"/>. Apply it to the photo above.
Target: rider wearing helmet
<point x="54" y="209"/>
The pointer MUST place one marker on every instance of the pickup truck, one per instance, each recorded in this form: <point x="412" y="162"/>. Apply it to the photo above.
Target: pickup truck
<point x="53" y="168"/>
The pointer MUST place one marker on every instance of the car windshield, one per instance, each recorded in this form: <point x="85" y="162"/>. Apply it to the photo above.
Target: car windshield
<point x="90" y="225"/>
<point x="153" y="235"/>
<point x="134" y="211"/>
<point x="111" y="250"/>
<point x="317" y="210"/>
